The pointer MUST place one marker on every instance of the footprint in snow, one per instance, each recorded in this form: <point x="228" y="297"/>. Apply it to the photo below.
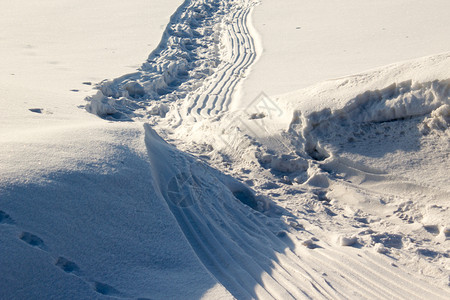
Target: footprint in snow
<point x="405" y="217"/>
<point x="5" y="218"/>
<point x="31" y="239"/>
<point x="433" y="229"/>
<point x="105" y="289"/>
<point x="71" y="267"/>
<point x="63" y="263"/>
<point x="66" y="265"/>
<point x="36" y="110"/>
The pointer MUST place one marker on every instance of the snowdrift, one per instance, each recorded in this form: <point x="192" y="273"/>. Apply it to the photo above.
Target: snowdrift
<point x="95" y="230"/>
<point x="378" y="147"/>
<point x="341" y="193"/>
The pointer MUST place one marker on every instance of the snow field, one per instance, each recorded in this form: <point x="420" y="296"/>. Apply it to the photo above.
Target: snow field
<point x="335" y="191"/>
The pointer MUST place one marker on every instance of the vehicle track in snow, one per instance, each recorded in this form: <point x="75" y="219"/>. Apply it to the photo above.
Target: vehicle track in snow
<point x="205" y="52"/>
<point x="217" y="95"/>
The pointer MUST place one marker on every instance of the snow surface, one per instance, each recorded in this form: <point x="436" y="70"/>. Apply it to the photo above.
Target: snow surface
<point x="171" y="182"/>
<point x="314" y="41"/>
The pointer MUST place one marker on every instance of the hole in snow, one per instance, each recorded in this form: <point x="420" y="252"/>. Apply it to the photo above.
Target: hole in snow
<point x="247" y="198"/>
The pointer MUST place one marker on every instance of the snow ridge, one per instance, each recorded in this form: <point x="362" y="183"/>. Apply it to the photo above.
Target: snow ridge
<point x="405" y="100"/>
<point x="256" y="256"/>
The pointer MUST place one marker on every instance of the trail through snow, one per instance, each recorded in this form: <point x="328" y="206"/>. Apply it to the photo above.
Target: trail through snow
<point x="206" y="49"/>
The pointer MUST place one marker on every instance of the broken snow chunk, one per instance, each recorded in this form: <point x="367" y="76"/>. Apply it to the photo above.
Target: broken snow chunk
<point x="444" y="233"/>
<point x="309" y="243"/>
<point x="301" y="178"/>
<point x="289" y="163"/>
<point x="388" y="240"/>
<point x="347" y="241"/>
<point x="99" y="105"/>
<point x="318" y="179"/>
<point x="380" y="248"/>
<point x="265" y="158"/>
<point x="134" y="89"/>
<point x="295" y="225"/>
<point x="286" y="180"/>
<point x="158" y="110"/>
<point x="439" y="119"/>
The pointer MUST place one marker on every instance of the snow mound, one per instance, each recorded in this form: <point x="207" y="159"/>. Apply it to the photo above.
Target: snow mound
<point x="221" y="220"/>
<point x="100" y="105"/>
<point x="251" y="254"/>
<point x="377" y="150"/>
<point x="439" y="119"/>
<point x="402" y="101"/>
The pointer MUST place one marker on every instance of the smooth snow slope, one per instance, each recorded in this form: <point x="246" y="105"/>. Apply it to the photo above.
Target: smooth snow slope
<point x="71" y="43"/>
<point x="97" y="230"/>
<point x="308" y="42"/>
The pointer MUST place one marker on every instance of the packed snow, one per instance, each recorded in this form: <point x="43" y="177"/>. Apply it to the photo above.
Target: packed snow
<point x="212" y="149"/>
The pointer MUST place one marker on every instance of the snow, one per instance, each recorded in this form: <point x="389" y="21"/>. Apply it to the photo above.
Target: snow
<point x="320" y="40"/>
<point x="224" y="149"/>
<point x="77" y="220"/>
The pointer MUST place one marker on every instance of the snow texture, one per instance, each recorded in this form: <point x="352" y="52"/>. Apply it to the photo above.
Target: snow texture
<point x="335" y="191"/>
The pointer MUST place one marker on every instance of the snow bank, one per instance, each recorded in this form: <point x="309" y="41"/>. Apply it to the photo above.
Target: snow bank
<point x="378" y="155"/>
<point x="220" y="219"/>
<point x="401" y="101"/>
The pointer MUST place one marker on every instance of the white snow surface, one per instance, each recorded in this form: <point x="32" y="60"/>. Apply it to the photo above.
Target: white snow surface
<point x="320" y="40"/>
<point x="179" y="179"/>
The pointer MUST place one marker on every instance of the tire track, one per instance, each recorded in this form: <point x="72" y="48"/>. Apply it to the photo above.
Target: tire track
<point x="349" y="284"/>
<point x="216" y="97"/>
<point x="182" y="65"/>
<point x="239" y="69"/>
<point x="250" y="60"/>
<point x="417" y="285"/>
<point x="368" y="275"/>
<point x="220" y="76"/>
